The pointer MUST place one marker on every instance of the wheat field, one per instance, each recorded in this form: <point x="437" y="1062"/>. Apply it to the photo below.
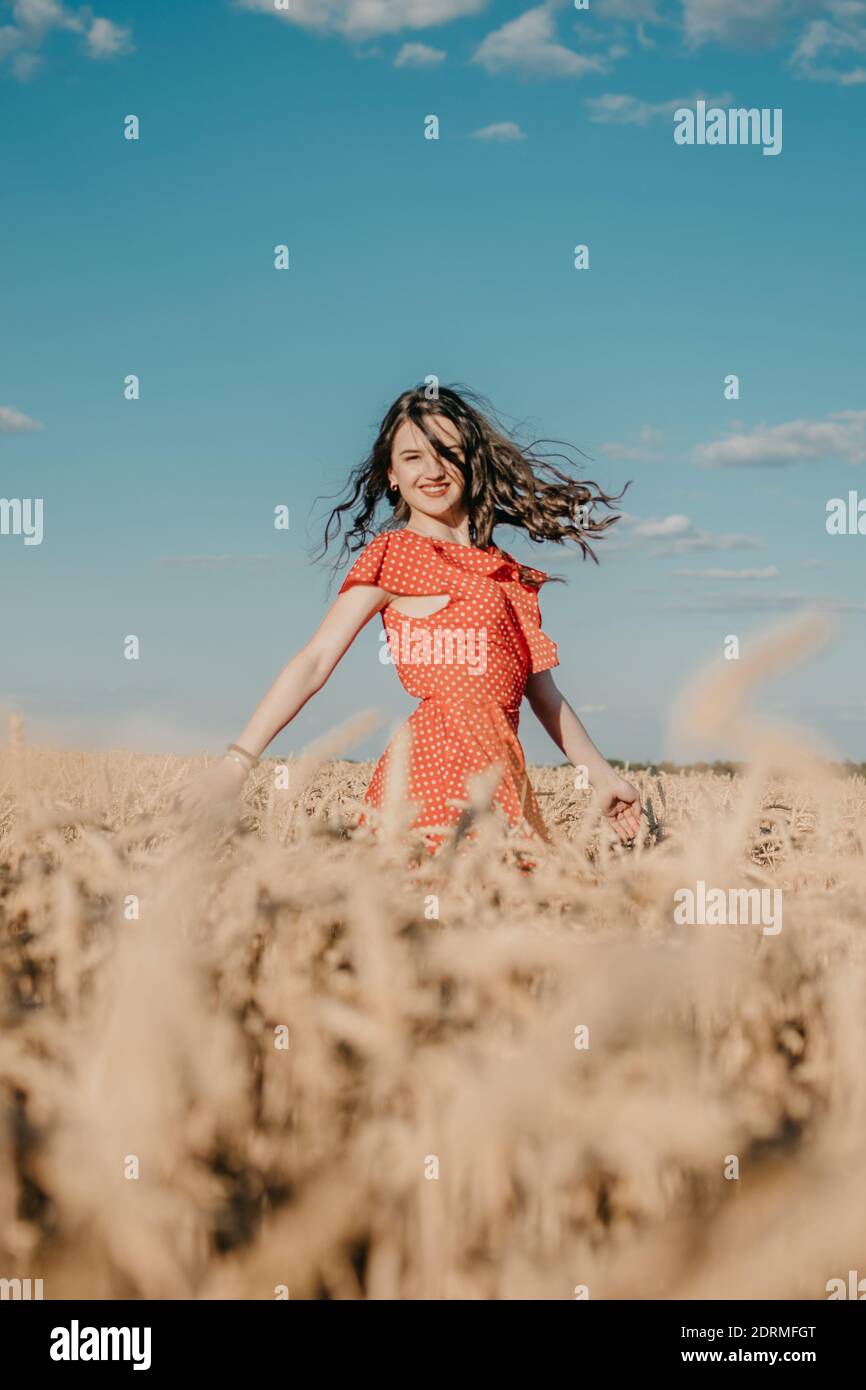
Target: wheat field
<point x="256" y="1056"/>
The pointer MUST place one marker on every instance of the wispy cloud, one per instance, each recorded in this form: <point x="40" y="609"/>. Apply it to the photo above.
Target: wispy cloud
<point x="642" y="448"/>
<point x="619" y="108"/>
<point x="740" y="23"/>
<point x="364" y="18"/>
<point x="698" y="540"/>
<point x="676" y="534"/>
<point x="501" y="130"/>
<point x="651" y="527"/>
<point x="36" y="20"/>
<point x="419" y="55"/>
<point x="24" y="65"/>
<point x="767" y="572"/>
<point x="529" y="45"/>
<point x="646" y="11"/>
<point x="824" y="44"/>
<point x="841" y="436"/>
<point x="763" y="603"/>
<point x="14" y="421"/>
<point x="105" y="39"/>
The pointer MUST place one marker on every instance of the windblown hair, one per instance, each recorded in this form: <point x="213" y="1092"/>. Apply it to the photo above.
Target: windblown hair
<point x="506" y="484"/>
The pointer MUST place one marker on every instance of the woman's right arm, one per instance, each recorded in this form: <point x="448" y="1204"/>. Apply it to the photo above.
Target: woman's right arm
<point x="300" y="678"/>
<point x="310" y="668"/>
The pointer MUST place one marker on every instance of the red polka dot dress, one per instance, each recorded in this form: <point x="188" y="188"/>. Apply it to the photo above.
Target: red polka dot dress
<point x="468" y="665"/>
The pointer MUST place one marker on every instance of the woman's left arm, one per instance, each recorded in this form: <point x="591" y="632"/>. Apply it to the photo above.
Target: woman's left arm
<point x="620" y="801"/>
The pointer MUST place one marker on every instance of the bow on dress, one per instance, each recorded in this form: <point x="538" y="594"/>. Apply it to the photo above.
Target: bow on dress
<point x="521" y="598"/>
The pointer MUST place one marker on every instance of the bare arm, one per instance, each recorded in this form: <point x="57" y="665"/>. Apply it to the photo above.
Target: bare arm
<point x="300" y="678"/>
<point x="555" y="715"/>
<point x="310" y="668"/>
<point x="619" y="799"/>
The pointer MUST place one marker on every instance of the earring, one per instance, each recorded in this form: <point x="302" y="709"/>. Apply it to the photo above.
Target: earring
<point x="392" y="487"/>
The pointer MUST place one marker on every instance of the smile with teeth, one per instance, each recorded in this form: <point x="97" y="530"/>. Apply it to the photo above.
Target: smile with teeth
<point x="433" y="489"/>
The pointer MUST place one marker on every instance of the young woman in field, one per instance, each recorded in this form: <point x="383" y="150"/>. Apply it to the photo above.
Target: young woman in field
<point x="461" y="615"/>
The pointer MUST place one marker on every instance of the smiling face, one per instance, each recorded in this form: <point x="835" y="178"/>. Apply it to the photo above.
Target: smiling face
<point x="430" y="486"/>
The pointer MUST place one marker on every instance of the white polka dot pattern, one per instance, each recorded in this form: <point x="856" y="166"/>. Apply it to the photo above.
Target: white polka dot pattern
<point x="467" y="720"/>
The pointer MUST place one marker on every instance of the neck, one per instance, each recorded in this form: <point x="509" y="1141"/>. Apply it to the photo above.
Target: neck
<point x="439" y="530"/>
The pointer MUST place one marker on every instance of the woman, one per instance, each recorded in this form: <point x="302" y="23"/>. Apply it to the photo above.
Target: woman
<point x="451" y="475"/>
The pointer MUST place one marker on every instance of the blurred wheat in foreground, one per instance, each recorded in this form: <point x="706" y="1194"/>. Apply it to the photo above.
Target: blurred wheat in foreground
<point x="248" y="1060"/>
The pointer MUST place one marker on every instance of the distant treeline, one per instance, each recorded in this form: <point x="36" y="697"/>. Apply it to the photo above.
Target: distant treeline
<point x="723" y="767"/>
<point x="720" y="766"/>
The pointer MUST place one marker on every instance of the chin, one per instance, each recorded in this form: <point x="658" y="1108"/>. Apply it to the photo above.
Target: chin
<point x="436" y="506"/>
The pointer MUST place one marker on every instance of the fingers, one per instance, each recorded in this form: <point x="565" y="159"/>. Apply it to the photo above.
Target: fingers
<point x="625" y="818"/>
<point x="631" y="817"/>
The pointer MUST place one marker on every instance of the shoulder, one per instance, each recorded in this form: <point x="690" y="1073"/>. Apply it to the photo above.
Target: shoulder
<point x="388" y="541"/>
<point x="389" y="561"/>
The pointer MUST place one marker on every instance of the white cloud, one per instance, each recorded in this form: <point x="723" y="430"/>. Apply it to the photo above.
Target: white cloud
<point x="104" y="39"/>
<point x="43" y="14"/>
<point x="622" y="109"/>
<point x="708" y="541"/>
<point x="528" y="45"/>
<point x="14" y="421"/>
<point x="841" y="436"/>
<point x="653" y="527"/>
<point x="501" y="130"/>
<point x="33" y="20"/>
<point x="364" y="18"/>
<point x="418" y="55"/>
<point x="823" y="43"/>
<point x="678" y="535"/>
<point x="739" y="22"/>
<point x="10" y="38"/>
<point x="767" y="572"/>
<point x="698" y="541"/>
<point x="36" y="19"/>
<point x="645" y="10"/>
<point x="24" y="65"/>
<point x="835" y="31"/>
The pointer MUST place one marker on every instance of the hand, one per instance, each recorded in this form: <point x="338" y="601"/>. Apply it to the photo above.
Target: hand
<point x="214" y="789"/>
<point x="620" y="803"/>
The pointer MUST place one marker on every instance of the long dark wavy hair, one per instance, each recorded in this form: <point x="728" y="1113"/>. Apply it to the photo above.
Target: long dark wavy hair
<point x="506" y="483"/>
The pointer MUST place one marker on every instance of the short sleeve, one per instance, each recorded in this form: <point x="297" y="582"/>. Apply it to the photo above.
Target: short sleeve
<point x="542" y="649"/>
<point x="399" y="563"/>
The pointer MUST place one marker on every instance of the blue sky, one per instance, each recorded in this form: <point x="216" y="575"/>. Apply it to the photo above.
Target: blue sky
<point x="409" y="257"/>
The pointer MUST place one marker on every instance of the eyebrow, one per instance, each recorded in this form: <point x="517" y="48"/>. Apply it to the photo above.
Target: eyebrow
<point x="413" y="449"/>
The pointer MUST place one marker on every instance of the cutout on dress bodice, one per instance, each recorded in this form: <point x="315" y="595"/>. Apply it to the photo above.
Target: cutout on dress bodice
<point x="419" y="605"/>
